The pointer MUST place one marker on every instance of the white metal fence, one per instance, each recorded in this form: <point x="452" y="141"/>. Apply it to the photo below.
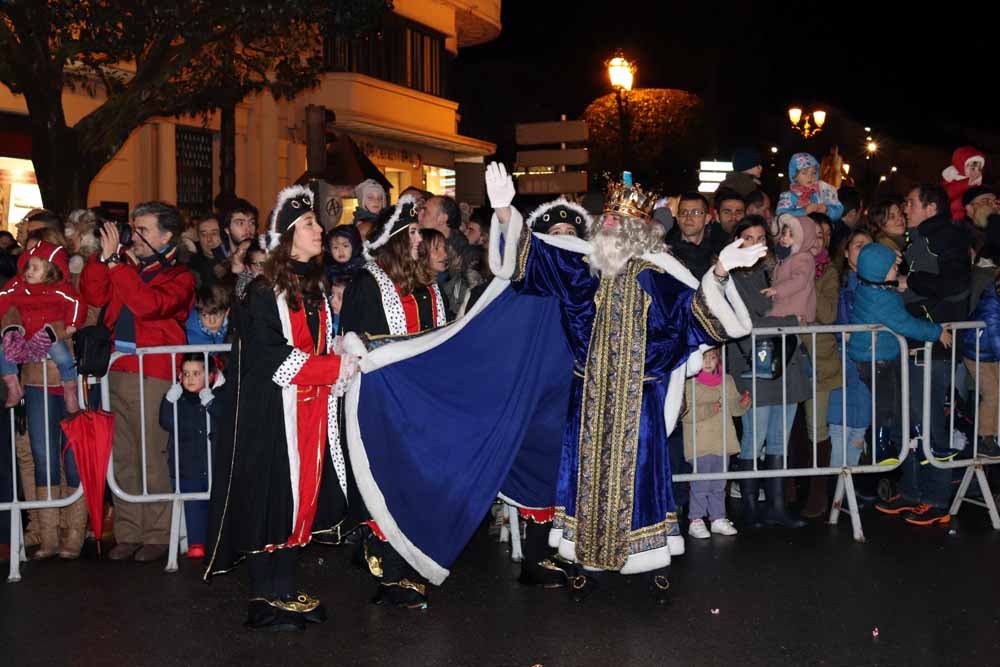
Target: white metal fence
<point x="974" y="464"/>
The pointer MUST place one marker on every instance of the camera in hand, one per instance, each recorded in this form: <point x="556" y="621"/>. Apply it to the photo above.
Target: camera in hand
<point x="124" y="232"/>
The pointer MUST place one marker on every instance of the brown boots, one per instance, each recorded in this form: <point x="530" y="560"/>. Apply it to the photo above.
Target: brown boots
<point x="48" y="524"/>
<point x="818" y="502"/>
<point x="73" y="526"/>
<point x="61" y="530"/>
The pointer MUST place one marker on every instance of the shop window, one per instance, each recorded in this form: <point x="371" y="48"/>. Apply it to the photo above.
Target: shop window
<point x="439" y="180"/>
<point x="194" y="170"/>
<point x="18" y="191"/>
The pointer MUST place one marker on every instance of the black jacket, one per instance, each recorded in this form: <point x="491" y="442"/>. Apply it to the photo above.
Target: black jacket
<point x="940" y="270"/>
<point x="697" y="258"/>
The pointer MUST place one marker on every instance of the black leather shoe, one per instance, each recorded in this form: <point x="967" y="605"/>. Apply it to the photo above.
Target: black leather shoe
<point x="546" y="573"/>
<point x="269" y="615"/>
<point x="404" y="594"/>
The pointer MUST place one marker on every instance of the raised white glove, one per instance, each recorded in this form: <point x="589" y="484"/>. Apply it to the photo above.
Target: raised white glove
<point x="734" y="256"/>
<point x="499" y="185"/>
<point x="206" y="396"/>
<point x="174" y="392"/>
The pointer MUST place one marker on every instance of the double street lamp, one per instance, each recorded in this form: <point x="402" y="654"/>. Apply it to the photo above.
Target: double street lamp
<point x="622" y="75"/>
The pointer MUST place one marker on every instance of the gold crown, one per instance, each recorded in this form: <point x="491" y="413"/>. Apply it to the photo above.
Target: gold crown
<point x="629" y="200"/>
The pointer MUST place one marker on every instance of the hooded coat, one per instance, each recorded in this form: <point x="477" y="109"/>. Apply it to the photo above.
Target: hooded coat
<point x="823" y="193"/>
<point x="45" y="303"/>
<point x="794" y="279"/>
<point x="956" y="178"/>
<point x="878" y="303"/>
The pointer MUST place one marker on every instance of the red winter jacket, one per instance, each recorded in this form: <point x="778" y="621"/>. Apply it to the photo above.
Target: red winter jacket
<point x="44" y="303"/>
<point x="160" y="306"/>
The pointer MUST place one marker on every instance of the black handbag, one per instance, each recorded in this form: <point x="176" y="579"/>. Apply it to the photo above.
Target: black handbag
<point x="92" y="345"/>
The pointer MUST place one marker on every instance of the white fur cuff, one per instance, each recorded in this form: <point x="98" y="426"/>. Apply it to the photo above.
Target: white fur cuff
<point x="289" y="368"/>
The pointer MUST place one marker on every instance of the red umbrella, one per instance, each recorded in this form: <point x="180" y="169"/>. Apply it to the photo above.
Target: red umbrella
<point x="90" y="434"/>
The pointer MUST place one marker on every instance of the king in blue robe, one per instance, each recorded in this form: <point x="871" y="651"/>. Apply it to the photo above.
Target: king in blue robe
<point x="560" y="387"/>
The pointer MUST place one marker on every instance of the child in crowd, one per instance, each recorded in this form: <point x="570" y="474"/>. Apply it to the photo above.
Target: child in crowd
<point x="808" y="194"/>
<point x="877" y="301"/>
<point x="51" y="310"/>
<point x="344" y="253"/>
<point x="208" y="323"/>
<point x="793" y="285"/>
<point x="703" y="422"/>
<point x="253" y="264"/>
<point x="964" y="172"/>
<point x="371" y="199"/>
<point x="195" y="431"/>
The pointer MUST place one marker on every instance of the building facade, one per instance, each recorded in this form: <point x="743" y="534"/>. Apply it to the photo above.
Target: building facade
<point x="389" y="91"/>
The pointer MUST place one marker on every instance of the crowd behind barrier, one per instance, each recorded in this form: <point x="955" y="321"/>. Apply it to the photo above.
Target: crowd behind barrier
<point x="967" y="458"/>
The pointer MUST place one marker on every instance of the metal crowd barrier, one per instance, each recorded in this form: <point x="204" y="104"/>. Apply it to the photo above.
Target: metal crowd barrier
<point x="974" y="466"/>
<point x="845" y="474"/>
<point x="176" y="498"/>
<point x="844" y="489"/>
<point x="16" y="506"/>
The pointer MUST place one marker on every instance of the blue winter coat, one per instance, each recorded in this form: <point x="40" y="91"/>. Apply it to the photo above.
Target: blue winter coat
<point x="199" y="335"/>
<point x="192" y="434"/>
<point x="987" y="310"/>
<point x="845" y="302"/>
<point x="788" y="201"/>
<point x="874" y="304"/>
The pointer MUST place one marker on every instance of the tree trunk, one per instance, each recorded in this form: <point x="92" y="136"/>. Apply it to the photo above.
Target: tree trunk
<point x="60" y="167"/>
<point x="227" y="153"/>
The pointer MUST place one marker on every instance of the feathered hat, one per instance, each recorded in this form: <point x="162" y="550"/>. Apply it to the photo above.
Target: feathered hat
<point x="293" y="203"/>
<point x="404" y="215"/>
<point x="560" y="211"/>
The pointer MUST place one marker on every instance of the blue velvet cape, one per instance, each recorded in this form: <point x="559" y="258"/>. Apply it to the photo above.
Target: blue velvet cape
<point x="439" y="425"/>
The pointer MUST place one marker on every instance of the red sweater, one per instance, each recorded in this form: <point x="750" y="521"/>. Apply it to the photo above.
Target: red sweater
<point x="160" y="307"/>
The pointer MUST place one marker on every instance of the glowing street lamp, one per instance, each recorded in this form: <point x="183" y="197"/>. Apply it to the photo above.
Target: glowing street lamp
<point x="621" y="72"/>
<point x="808" y="125"/>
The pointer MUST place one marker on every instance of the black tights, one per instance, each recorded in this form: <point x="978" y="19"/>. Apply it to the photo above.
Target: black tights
<point x="273" y="574"/>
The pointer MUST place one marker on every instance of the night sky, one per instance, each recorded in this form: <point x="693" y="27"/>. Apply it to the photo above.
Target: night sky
<point x="922" y="78"/>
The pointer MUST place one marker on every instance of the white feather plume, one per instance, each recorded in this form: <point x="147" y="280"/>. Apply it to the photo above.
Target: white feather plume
<point x="383" y="237"/>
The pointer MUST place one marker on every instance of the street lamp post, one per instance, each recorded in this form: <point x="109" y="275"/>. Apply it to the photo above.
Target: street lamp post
<point x="622" y="74"/>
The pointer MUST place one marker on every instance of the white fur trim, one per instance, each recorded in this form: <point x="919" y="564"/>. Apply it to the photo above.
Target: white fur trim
<point x="375" y="501"/>
<point x="562" y="201"/>
<point x="289" y="402"/>
<point x="675" y="543"/>
<point x="332" y="414"/>
<point x="951" y="174"/>
<point x="290" y="192"/>
<point x="386" y="232"/>
<point x="442" y="315"/>
<point x="510" y="233"/>
<point x="289" y="368"/>
<point x="392" y="305"/>
<point x="973" y="160"/>
<point x="645" y="561"/>
<point x="721" y="302"/>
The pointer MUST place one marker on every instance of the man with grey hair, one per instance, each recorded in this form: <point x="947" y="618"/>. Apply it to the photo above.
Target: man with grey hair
<point x="146" y="297"/>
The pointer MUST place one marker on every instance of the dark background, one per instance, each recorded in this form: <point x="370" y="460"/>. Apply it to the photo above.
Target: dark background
<point x="924" y="80"/>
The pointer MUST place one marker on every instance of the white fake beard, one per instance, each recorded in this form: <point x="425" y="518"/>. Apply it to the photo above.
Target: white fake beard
<point x="611" y="252"/>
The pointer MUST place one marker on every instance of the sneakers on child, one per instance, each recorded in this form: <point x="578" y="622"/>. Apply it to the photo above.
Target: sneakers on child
<point x="196" y="551"/>
<point x="723" y="526"/>
<point x="699" y="530"/>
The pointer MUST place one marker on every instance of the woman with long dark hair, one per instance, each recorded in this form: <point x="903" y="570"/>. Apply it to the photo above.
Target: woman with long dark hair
<point x="280" y="478"/>
<point x="396" y="295"/>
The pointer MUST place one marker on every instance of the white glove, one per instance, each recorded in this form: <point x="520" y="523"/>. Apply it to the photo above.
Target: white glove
<point x="174" y="392"/>
<point x="499" y="185"/>
<point x="348" y="368"/>
<point x="734" y="256"/>
<point x="206" y="396"/>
